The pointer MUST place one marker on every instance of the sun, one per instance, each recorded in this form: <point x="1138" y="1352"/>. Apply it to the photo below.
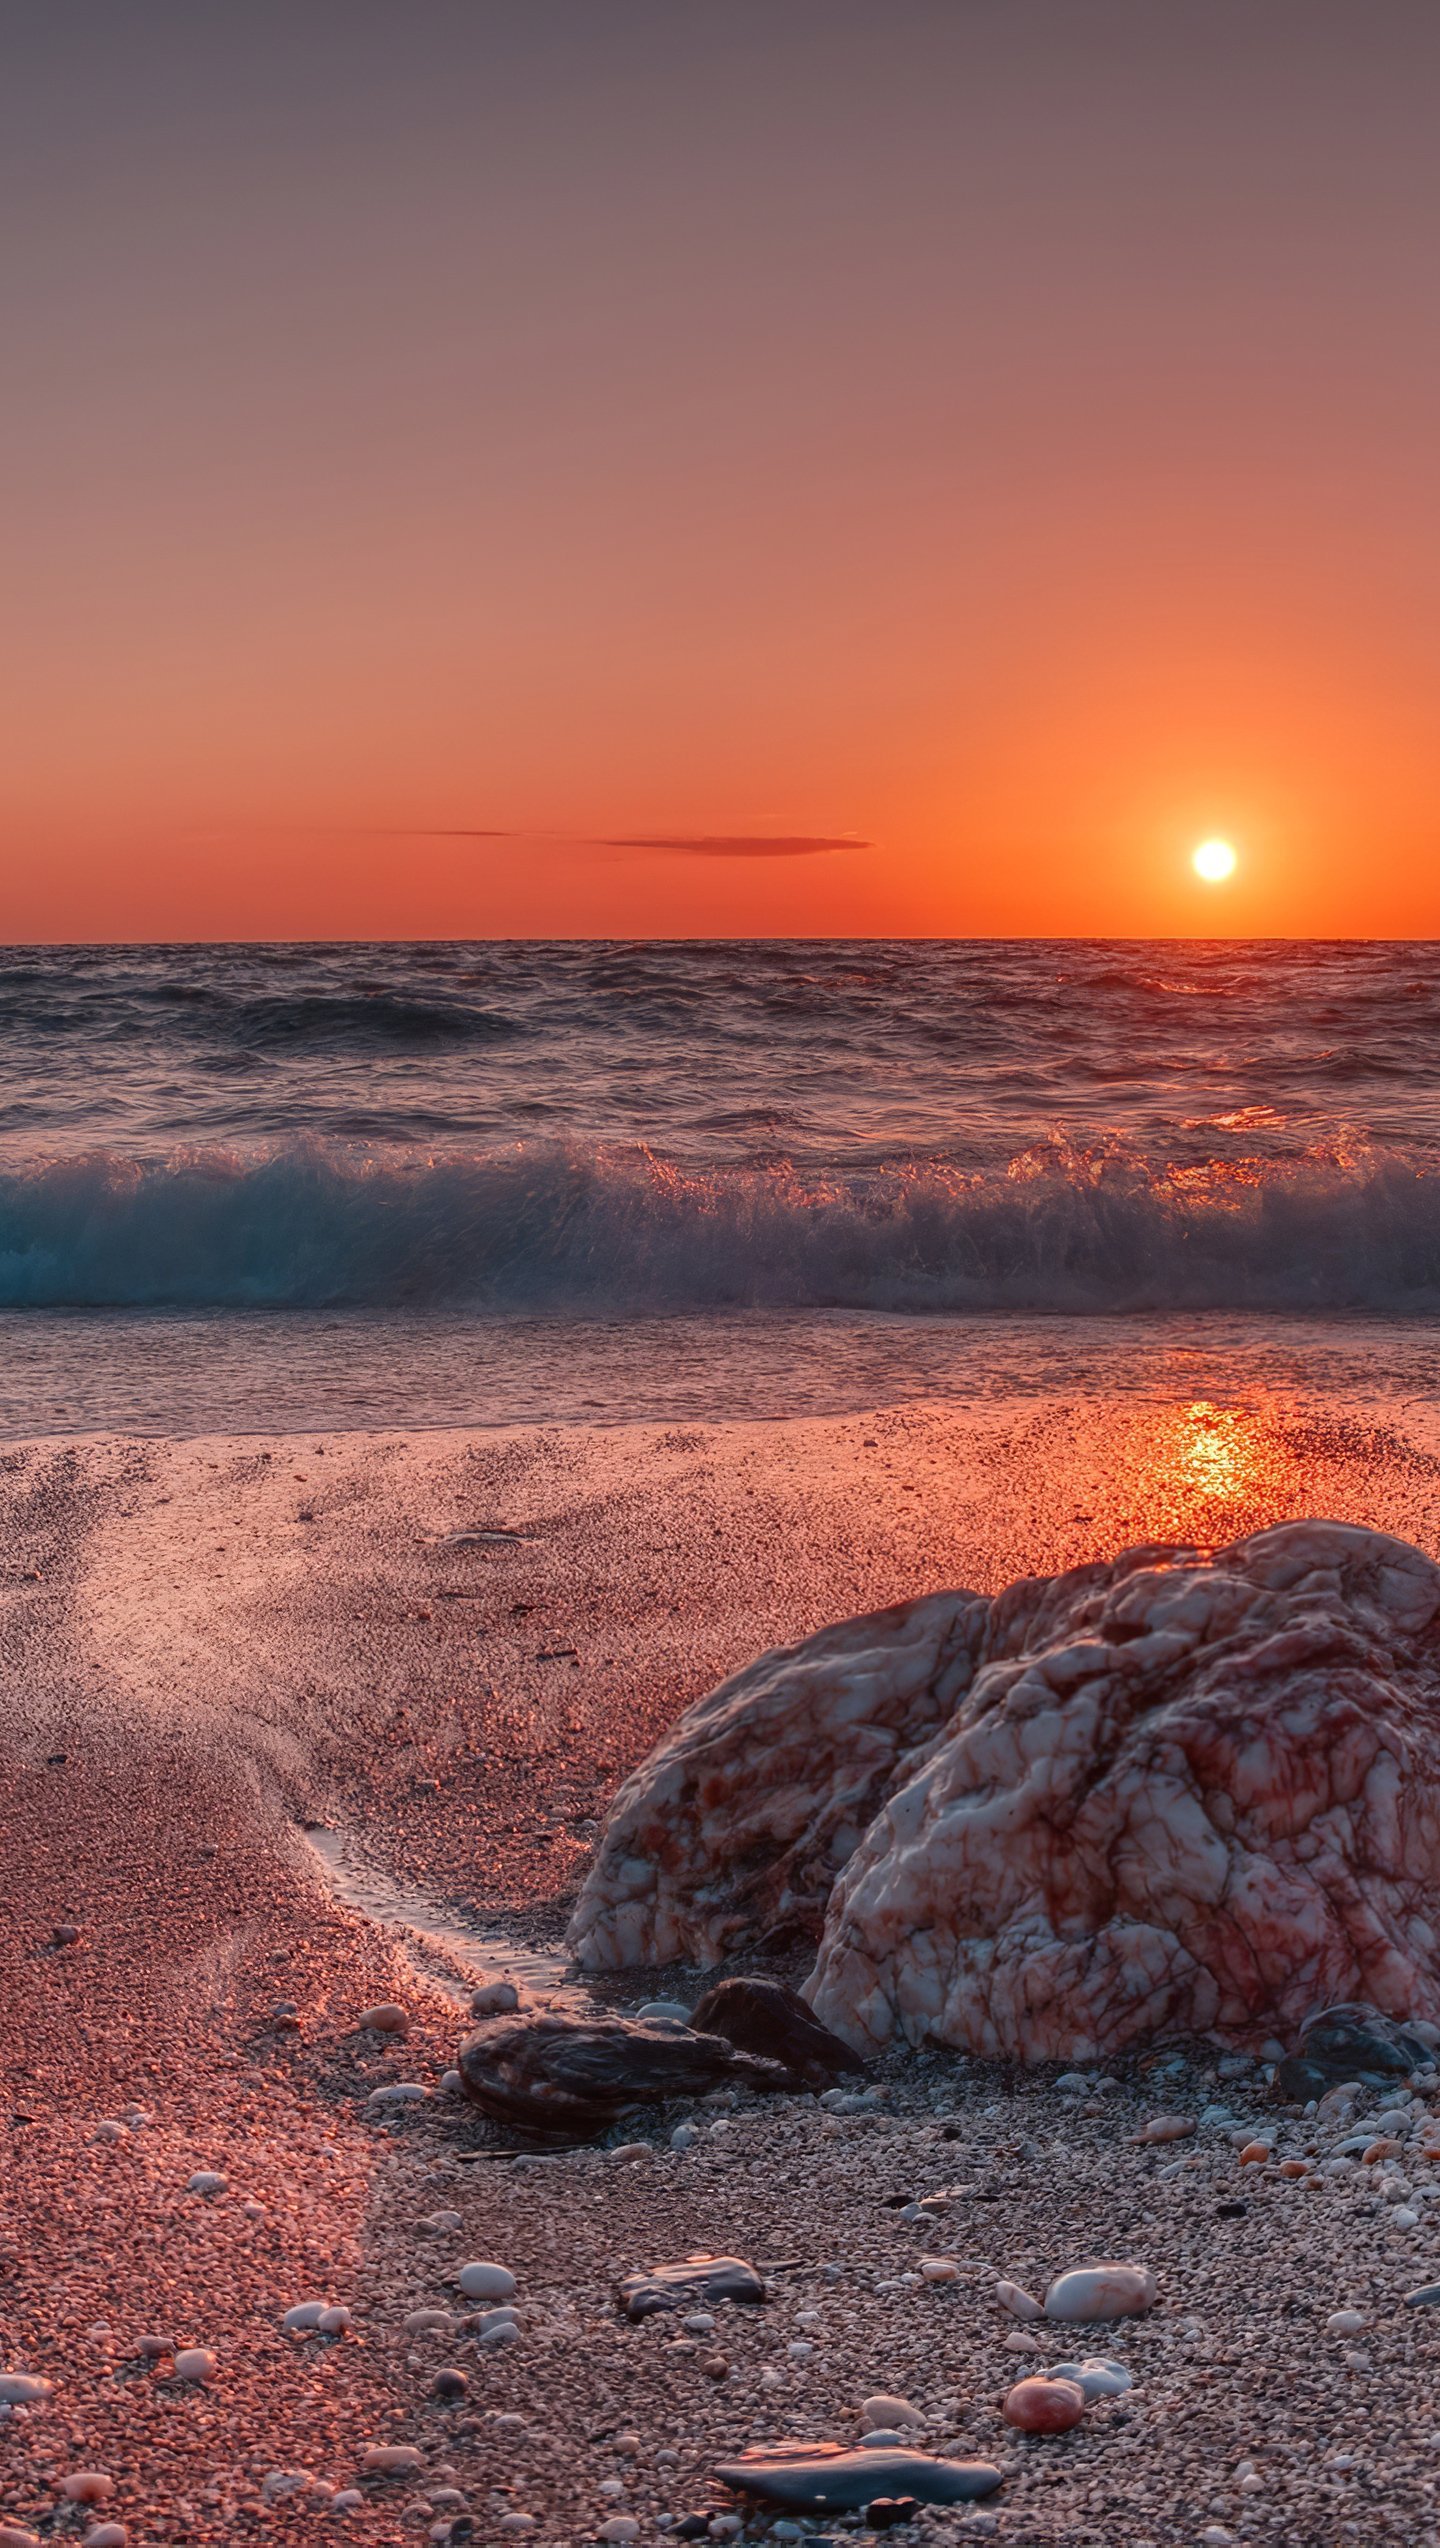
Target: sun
<point x="1214" y="861"/>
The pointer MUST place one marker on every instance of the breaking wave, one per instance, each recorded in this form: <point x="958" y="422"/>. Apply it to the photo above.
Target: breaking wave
<point x="543" y="1228"/>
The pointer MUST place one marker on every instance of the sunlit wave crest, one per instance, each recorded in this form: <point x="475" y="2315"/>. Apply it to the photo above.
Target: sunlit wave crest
<point x="546" y="1227"/>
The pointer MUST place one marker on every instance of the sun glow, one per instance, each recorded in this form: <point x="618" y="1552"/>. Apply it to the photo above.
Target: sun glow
<point x="1214" y="861"/>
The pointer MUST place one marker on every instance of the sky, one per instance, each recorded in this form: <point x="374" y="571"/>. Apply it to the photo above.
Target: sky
<point x="748" y="467"/>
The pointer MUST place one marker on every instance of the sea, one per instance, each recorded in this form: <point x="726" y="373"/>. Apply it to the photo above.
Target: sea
<point x="250" y="1188"/>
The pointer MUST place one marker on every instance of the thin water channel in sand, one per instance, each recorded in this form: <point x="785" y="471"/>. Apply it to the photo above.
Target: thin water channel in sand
<point x="456" y="1953"/>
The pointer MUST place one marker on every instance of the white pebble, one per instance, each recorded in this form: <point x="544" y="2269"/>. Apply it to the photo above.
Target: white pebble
<point x="334" y="2322"/>
<point x="620" y="2526"/>
<point x="1094" y="2292"/>
<point x="1346" y="2322"/>
<point x="671" y="2012"/>
<point x="494" y="1999"/>
<point x="20" y="2388"/>
<point x="304" y="2315"/>
<point x="107" y="2534"/>
<point x="391" y="2459"/>
<point x="486" y="2282"/>
<point x="346" y="2499"/>
<point x="194" y="2363"/>
<point x="426" y="2322"/>
<point x="1097" y="2375"/>
<point x="683" y="2137"/>
<point x="451" y="2083"/>
<point x="401" y="2092"/>
<point x="441" y="2224"/>
<point x="1019" y="2302"/>
<point x="939" y="2269"/>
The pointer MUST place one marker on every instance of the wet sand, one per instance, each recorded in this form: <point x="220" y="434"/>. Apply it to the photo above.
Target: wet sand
<point x="227" y="1639"/>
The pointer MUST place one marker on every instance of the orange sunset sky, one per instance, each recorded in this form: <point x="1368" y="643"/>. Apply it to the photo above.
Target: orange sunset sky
<point x="611" y="467"/>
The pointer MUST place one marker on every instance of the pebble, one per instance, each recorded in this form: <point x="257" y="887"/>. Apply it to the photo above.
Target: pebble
<point x="494" y="1999"/>
<point x="107" y="2534"/>
<point x="207" y="2181"/>
<point x="195" y="2363"/>
<point x="425" y="2322"/>
<point x="1092" y="2292"/>
<point x="87" y="2486"/>
<point x="1097" y="2376"/>
<point x="450" y="2383"/>
<point x="480" y="2281"/>
<point x="1346" y="2322"/>
<point x="20" y="2388"/>
<point x="709" y="2279"/>
<point x="1045" y="2405"/>
<point x="400" y="2092"/>
<point x="440" y="2224"/>
<point x="1019" y="2302"/>
<point x="451" y="2083"/>
<point x="283" y="2482"/>
<point x="1020" y="2342"/>
<point x="304" y="2315"/>
<point x="334" y="2322"/>
<point x="390" y="2459"/>
<point x="939" y="2269"/>
<point x="1425" y="2296"/>
<point x="348" y="2499"/>
<point x="388" y="2018"/>
<point x="620" y="2525"/>
<point x="665" y="2012"/>
<point x="65" y="1933"/>
<point x="1168" y="2127"/>
<point x="883" y="2412"/>
<point x="12" y="2536"/>
<point x="497" y="2327"/>
<point x="683" y="2137"/>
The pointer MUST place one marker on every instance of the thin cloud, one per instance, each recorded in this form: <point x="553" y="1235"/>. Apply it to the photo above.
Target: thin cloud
<point x="738" y="844"/>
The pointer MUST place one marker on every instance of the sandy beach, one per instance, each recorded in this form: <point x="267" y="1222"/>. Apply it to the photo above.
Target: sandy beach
<point x="447" y="1650"/>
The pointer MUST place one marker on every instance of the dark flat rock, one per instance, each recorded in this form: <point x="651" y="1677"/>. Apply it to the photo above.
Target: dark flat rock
<point x="829" y="2477"/>
<point x="700" y="2282"/>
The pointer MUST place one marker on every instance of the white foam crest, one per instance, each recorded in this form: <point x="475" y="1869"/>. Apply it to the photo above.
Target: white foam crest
<point x="539" y="1228"/>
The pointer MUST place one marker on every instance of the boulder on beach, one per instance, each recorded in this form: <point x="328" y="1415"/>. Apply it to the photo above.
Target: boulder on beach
<point x="1172" y="1794"/>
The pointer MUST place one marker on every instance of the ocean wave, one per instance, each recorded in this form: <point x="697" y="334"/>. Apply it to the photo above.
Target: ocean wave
<point x="549" y="1228"/>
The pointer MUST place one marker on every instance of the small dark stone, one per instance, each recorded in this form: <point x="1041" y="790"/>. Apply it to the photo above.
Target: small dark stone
<point x="770" y="2019"/>
<point x="450" y="2384"/>
<point x="1426" y="2297"/>
<point x="56" y="1760"/>
<point x="701" y="2282"/>
<point x="889" y="2511"/>
<point x="65" y="1933"/>
<point x="1230" y="2211"/>
<point x="1297" y="2081"/>
<point x="693" y="2526"/>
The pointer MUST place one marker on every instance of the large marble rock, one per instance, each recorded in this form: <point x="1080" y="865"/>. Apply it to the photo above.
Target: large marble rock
<point x="1170" y="1795"/>
<point x="731" y="1834"/>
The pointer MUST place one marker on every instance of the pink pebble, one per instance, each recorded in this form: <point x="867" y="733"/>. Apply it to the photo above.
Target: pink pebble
<point x="1045" y="2406"/>
<point x="87" y="2486"/>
